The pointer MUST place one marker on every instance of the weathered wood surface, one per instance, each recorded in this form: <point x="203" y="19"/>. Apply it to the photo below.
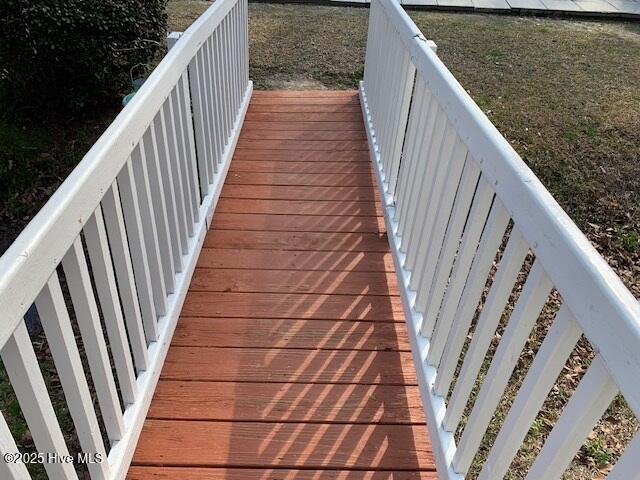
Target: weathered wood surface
<point x="291" y="358"/>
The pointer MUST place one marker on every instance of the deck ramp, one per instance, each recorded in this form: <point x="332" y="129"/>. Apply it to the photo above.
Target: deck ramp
<point x="290" y="359"/>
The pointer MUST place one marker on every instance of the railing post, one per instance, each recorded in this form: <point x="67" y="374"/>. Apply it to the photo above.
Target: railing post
<point x="172" y="38"/>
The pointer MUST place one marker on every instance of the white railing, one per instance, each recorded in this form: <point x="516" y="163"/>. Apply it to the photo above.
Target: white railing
<point x="454" y="193"/>
<point x="128" y="223"/>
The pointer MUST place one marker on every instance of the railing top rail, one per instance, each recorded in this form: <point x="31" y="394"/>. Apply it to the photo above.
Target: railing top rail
<point x="30" y="260"/>
<point x="604" y="307"/>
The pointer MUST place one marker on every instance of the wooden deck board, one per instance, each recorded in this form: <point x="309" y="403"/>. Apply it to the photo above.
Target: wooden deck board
<point x="173" y="473"/>
<point x="283" y="281"/>
<point x="299" y="207"/>
<point x="283" y="260"/>
<point x="285" y="445"/>
<point x="291" y="358"/>
<point x="290" y="333"/>
<point x="272" y="166"/>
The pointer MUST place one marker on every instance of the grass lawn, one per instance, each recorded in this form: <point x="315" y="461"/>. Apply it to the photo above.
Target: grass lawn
<point x="565" y="93"/>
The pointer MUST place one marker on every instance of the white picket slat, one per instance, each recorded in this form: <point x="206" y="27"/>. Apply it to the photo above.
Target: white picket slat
<point x="168" y="185"/>
<point x="547" y="365"/>
<point x="424" y="135"/>
<point x="64" y="350"/>
<point x="628" y="466"/>
<point x="105" y="283"/>
<point x="151" y="161"/>
<point x="10" y="470"/>
<point x="114" y="222"/>
<point x="421" y="222"/>
<point x="140" y="185"/>
<point x="138" y="249"/>
<point x="86" y="310"/>
<point x="190" y="168"/>
<point x="497" y="220"/>
<point x="438" y="253"/>
<point x="26" y="379"/>
<point x="408" y="163"/>
<point x="532" y="299"/>
<point x="485" y="328"/>
<point x="176" y="159"/>
<point x="429" y="240"/>
<point x="595" y="392"/>
<point x="199" y="125"/>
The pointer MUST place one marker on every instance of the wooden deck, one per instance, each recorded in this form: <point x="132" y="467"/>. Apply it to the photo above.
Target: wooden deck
<point x="290" y="359"/>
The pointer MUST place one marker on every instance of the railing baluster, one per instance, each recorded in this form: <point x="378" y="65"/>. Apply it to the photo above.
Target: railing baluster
<point x="526" y="312"/>
<point x="10" y="470"/>
<point x="105" y="283"/>
<point x="176" y="158"/>
<point x="450" y="155"/>
<point x="547" y="365"/>
<point x="460" y="206"/>
<point x="503" y="281"/>
<point x="408" y="157"/>
<point x="220" y="119"/>
<point x="419" y="182"/>
<point x="402" y="117"/>
<point x="151" y="161"/>
<point x="145" y="286"/>
<point x="628" y="466"/>
<point x="114" y="221"/>
<point x="62" y="344"/>
<point x="26" y="379"/>
<point x="199" y="123"/>
<point x="477" y="222"/>
<point x="140" y="185"/>
<point x="227" y="77"/>
<point x="191" y="164"/>
<point x="215" y="141"/>
<point x="167" y="186"/>
<point x="212" y="162"/>
<point x="595" y="392"/>
<point x="86" y="310"/>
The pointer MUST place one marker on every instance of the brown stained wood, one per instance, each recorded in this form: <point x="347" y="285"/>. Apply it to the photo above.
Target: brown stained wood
<point x="296" y="260"/>
<point x="302" y="145"/>
<point x="301" y="156"/>
<point x="287" y="402"/>
<point x="175" y="473"/>
<point x="318" y="135"/>
<point x="296" y="223"/>
<point x="304" y="94"/>
<point x="305" y="117"/>
<point x="288" y="366"/>
<point x="284" y="192"/>
<point x="313" y="108"/>
<point x="291" y="357"/>
<point x="337" y="100"/>
<point x="291" y="445"/>
<point x="285" y="333"/>
<point x="299" y="179"/>
<point x="270" y="166"/>
<point x="299" y="207"/>
<point x="356" y="126"/>
<point x="283" y="281"/>
<point x="312" y="241"/>
<point x="293" y="305"/>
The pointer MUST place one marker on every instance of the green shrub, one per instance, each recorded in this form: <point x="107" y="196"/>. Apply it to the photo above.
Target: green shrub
<point x="69" y="54"/>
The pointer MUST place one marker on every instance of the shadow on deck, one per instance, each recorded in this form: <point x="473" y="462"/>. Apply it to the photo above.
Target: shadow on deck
<point x="291" y="358"/>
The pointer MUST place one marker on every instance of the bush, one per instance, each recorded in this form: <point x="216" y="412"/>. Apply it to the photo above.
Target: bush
<point x="69" y="54"/>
